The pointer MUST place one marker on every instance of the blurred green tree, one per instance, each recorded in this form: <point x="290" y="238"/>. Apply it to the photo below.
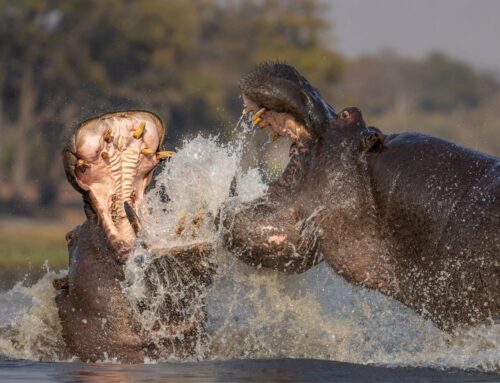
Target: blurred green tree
<point x="436" y="83"/>
<point x="446" y="84"/>
<point x="436" y="94"/>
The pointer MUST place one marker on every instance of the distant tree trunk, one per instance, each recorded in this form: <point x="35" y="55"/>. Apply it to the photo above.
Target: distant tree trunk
<point x="4" y="52"/>
<point x="25" y="121"/>
<point x="3" y="121"/>
<point x="2" y="84"/>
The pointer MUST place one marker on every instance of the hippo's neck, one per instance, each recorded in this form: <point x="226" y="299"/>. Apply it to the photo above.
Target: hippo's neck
<point x="356" y="245"/>
<point x="296" y="171"/>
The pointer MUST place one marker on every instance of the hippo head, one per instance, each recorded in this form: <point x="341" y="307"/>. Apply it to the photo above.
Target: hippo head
<point x="277" y="97"/>
<point x="110" y="159"/>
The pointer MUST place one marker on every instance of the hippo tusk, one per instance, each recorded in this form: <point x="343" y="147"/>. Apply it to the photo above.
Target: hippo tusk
<point x="147" y="151"/>
<point x="82" y="165"/>
<point x="164" y="154"/>
<point x="139" y="131"/>
<point x="257" y="117"/>
<point x="259" y="113"/>
<point x="132" y="218"/>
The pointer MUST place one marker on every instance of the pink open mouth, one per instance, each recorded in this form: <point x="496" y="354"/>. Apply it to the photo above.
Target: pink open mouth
<point x="279" y="124"/>
<point x="111" y="158"/>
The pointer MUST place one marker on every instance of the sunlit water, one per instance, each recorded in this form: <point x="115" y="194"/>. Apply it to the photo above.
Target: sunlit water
<point x="252" y="313"/>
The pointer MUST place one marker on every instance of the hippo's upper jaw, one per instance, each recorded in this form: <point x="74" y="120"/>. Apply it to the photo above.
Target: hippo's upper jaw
<point x="279" y="98"/>
<point x="109" y="159"/>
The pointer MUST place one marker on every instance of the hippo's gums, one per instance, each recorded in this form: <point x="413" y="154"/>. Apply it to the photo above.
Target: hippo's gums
<point x="110" y="160"/>
<point x="410" y="215"/>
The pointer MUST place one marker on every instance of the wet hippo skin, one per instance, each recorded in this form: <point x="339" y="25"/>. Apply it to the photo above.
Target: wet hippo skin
<point x="413" y="216"/>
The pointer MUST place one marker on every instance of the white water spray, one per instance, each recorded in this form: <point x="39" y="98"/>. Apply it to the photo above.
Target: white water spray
<point x="30" y="328"/>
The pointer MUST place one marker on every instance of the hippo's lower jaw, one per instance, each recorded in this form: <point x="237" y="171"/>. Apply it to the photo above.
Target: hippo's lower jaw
<point x="110" y="159"/>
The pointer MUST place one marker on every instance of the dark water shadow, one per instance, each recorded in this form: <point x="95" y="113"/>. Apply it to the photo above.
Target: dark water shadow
<point x="282" y="370"/>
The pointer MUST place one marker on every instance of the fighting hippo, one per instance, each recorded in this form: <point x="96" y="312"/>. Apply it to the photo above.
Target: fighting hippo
<point x="410" y="215"/>
<point x="110" y="160"/>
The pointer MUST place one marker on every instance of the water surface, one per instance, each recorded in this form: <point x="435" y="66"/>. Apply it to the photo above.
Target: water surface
<point x="282" y="370"/>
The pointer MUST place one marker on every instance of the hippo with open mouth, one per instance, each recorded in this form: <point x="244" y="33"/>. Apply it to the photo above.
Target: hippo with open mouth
<point x="410" y="215"/>
<point x="110" y="160"/>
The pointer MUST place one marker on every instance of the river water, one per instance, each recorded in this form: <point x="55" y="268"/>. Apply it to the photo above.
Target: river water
<point x="332" y="330"/>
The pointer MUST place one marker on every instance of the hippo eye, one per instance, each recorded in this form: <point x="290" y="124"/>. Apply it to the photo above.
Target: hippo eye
<point x="344" y="115"/>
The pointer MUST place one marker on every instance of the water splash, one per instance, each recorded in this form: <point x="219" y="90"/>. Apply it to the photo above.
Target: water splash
<point x="257" y="313"/>
<point x="265" y="314"/>
<point x="179" y="211"/>
<point x="31" y="328"/>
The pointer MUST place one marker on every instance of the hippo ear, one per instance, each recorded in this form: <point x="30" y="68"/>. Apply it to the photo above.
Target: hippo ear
<point x="372" y="139"/>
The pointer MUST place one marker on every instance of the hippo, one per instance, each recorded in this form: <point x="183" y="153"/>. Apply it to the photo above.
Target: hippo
<point x="110" y="160"/>
<point x="410" y="215"/>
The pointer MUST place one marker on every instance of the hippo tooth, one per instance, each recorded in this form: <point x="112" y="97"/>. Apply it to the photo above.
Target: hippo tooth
<point x="164" y="154"/>
<point x="257" y="120"/>
<point x="147" y="151"/>
<point x="82" y="164"/>
<point x="139" y="131"/>
<point x="105" y="155"/>
<point x="132" y="217"/>
<point x="107" y="136"/>
<point x="259" y="113"/>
